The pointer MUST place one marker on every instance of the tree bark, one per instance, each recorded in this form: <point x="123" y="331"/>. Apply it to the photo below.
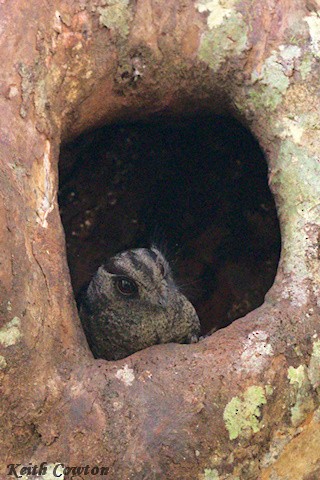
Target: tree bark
<point x="243" y="403"/>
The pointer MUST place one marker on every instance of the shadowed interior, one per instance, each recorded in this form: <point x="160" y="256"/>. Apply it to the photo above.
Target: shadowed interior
<point x="197" y="187"/>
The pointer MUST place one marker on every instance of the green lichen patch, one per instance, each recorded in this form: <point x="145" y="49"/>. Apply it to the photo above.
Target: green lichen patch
<point x="269" y="390"/>
<point x="314" y="366"/>
<point x="10" y="333"/>
<point x="218" y="11"/>
<point x="300" y="173"/>
<point x="305" y="65"/>
<point x="210" y="474"/>
<point x="116" y="15"/>
<point x="3" y="363"/>
<point x="227" y="28"/>
<point x="264" y="97"/>
<point x="296" y="179"/>
<point x="292" y="128"/>
<point x="242" y="414"/>
<point x="273" y="74"/>
<point x="272" y="82"/>
<point x="301" y="394"/>
<point x="298" y="376"/>
<point x="313" y="22"/>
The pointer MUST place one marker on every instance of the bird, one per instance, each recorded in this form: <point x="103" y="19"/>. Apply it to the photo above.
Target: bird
<point x="133" y="302"/>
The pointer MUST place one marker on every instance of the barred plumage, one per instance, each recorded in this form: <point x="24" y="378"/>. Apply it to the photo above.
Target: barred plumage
<point x="132" y="302"/>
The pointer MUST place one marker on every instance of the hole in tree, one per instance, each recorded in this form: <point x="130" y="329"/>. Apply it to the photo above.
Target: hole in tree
<point x="197" y="187"/>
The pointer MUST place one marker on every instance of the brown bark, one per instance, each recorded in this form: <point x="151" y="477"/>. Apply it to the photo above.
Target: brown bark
<point x="230" y="406"/>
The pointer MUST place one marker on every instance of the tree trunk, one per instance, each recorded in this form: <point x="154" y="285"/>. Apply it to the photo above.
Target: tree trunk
<point x="244" y="402"/>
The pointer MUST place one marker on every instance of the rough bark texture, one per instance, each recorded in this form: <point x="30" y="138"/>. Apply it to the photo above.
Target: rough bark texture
<point x="244" y="403"/>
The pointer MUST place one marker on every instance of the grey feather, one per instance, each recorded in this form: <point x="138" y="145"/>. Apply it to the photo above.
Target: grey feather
<point x="132" y="302"/>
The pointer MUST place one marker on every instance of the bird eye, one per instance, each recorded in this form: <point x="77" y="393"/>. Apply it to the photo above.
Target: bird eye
<point x="126" y="287"/>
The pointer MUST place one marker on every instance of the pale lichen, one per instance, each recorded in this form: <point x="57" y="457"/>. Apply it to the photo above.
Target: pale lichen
<point x="242" y="414"/>
<point x="49" y="471"/>
<point x="46" y="192"/>
<point x="296" y="181"/>
<point x="302" y="380"/>
<point x="314" y="366"/>
<point x="116" y="15"/>
<point x="297" y="375"/>
<point x="273" y="74"/>
<point x="10" y="333"/>
<point x="226" y="27"/>
<point x="218" y="11"/>
<point x="263" y="97"/>
<point x="269" y="390"/>
<point x="292" y="128"/>
<point x="272" y="82"/>
<point x="313" y="22"/>
<point x="306" y="65"/>
<point x="256" y="351"/>
<point x="3" y="363"/>
<point x="210" y="474"/>
<point x="126" y="375"/>
<point x="301" y="394"/>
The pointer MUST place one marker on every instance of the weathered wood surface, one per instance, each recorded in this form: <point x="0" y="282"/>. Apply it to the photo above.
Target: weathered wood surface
<point x="244" y="403"/>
